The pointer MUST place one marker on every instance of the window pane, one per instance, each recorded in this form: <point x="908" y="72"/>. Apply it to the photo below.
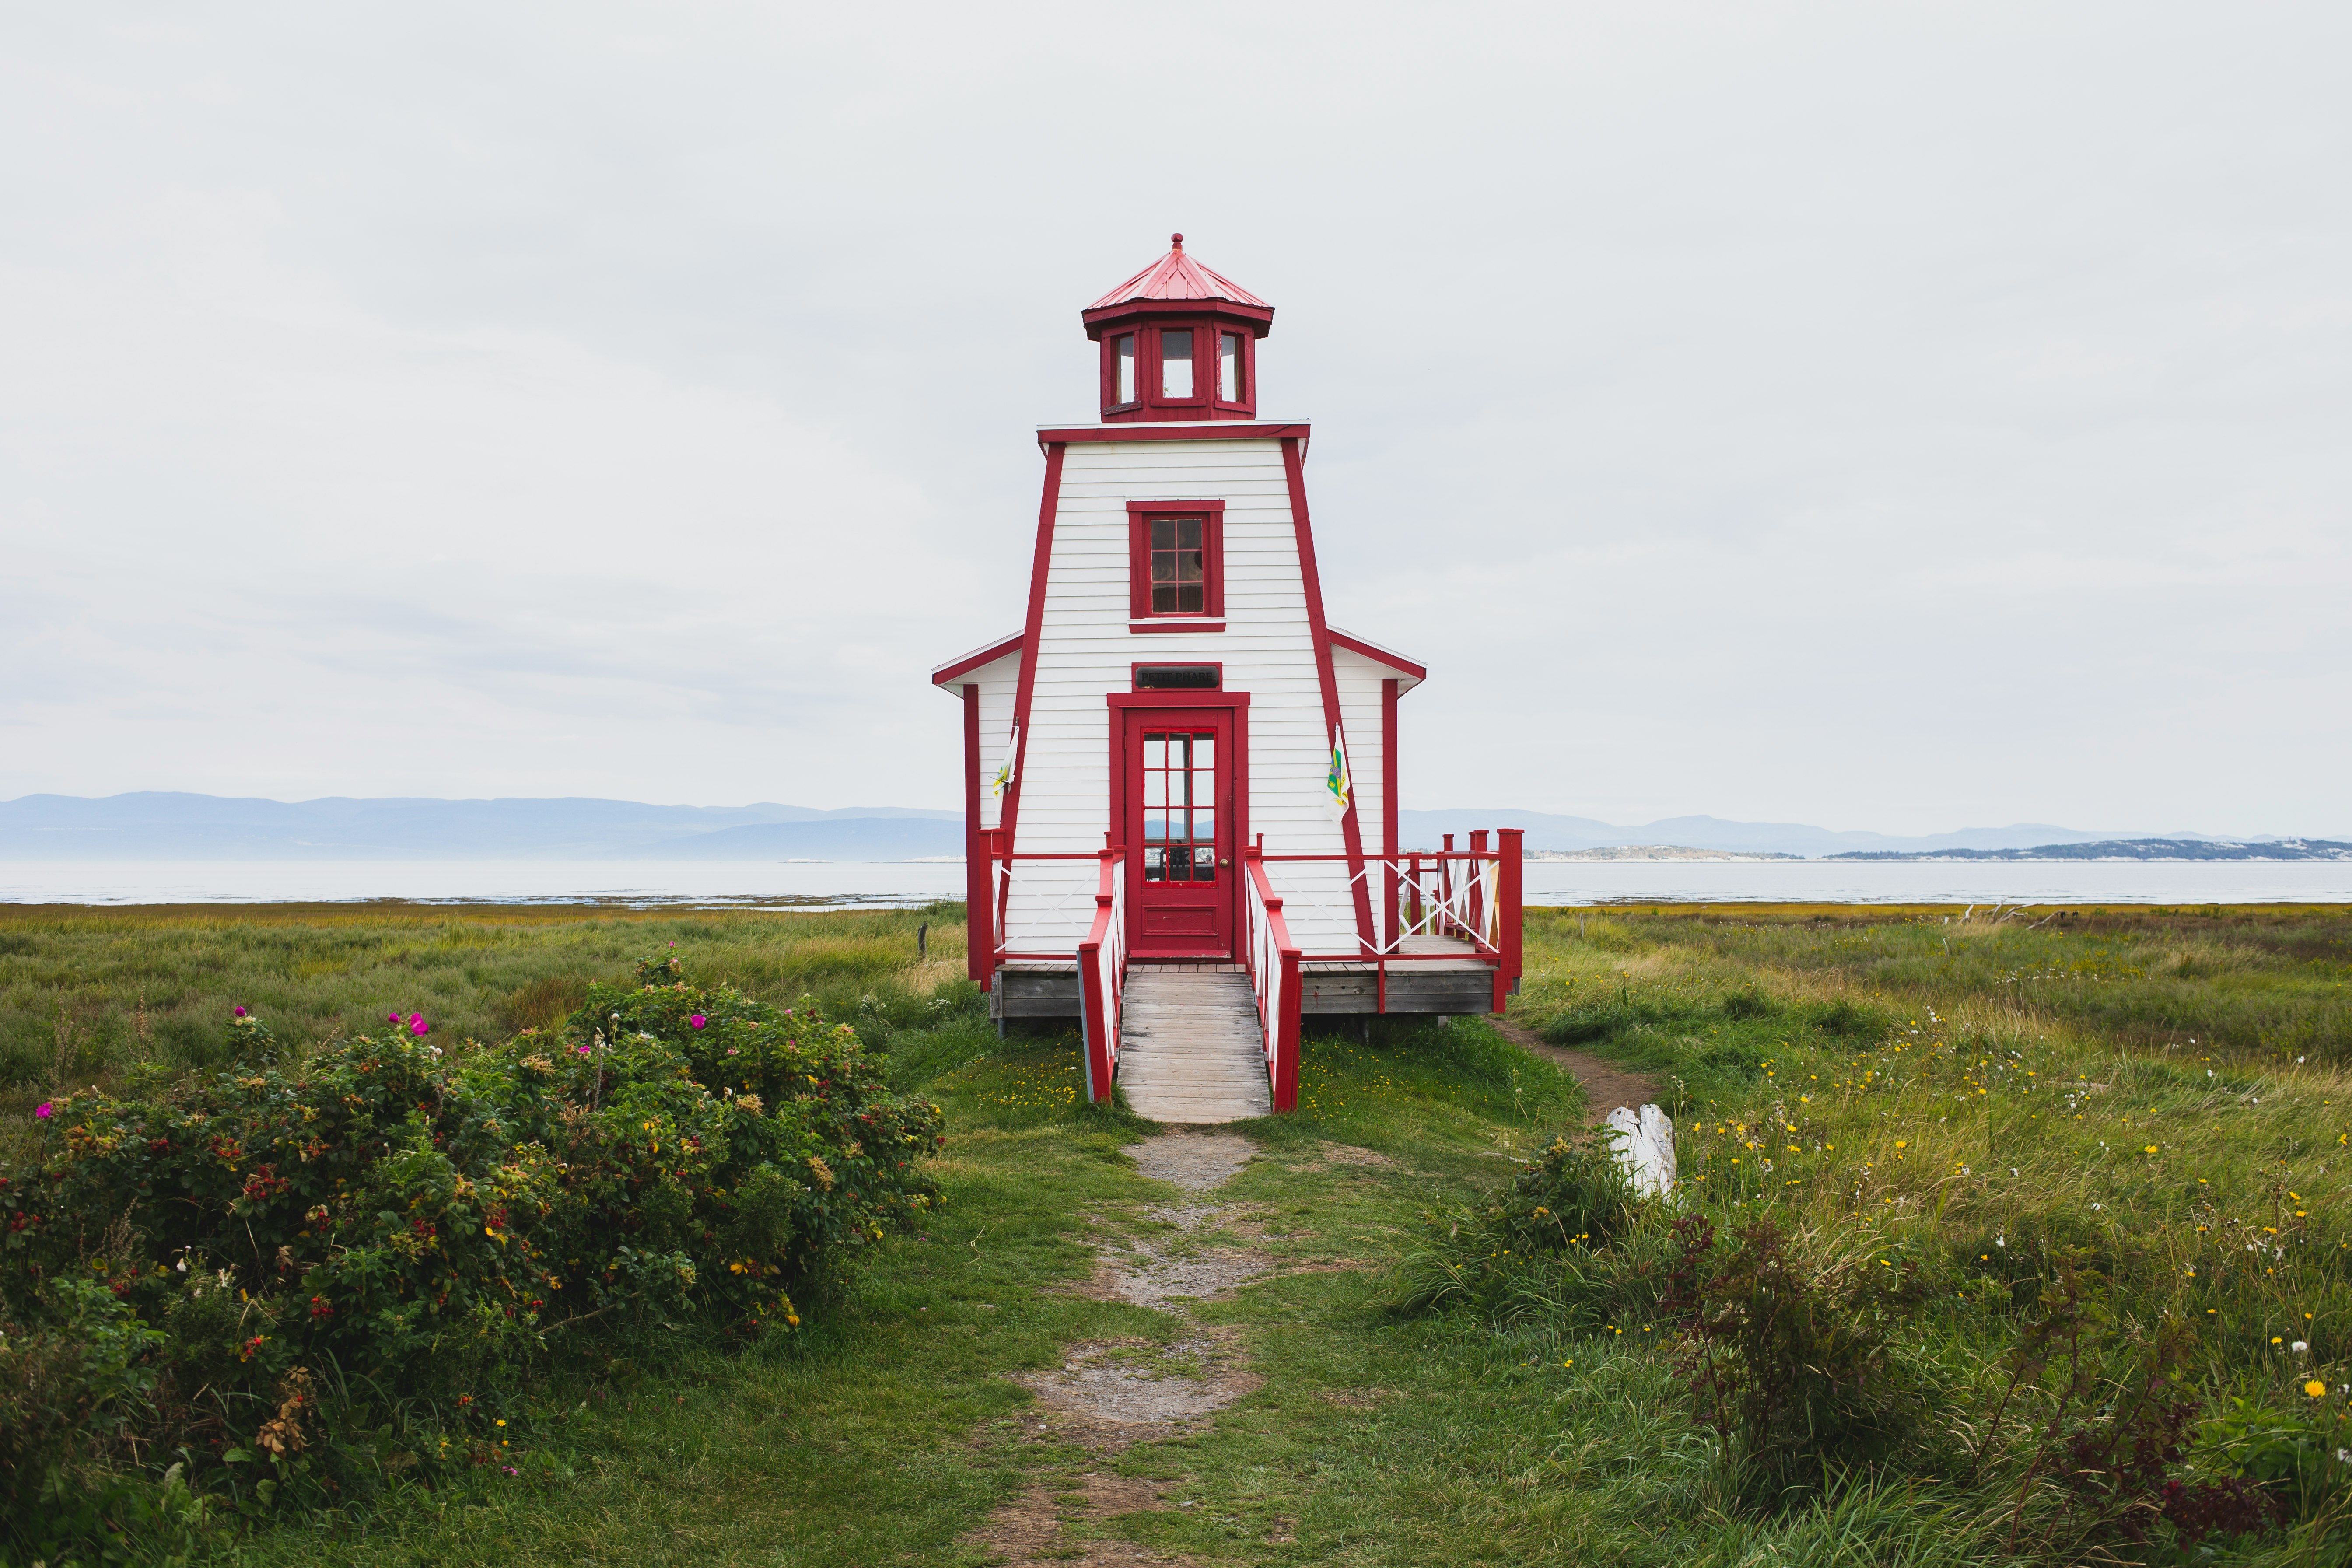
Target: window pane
<point x="1205" y="864"/>
<point x="1163" y="533"/>
<point x="1155" y="865"/>
<point x="1155" y="828"/>
<point x="1188" y="566"/>
<point x="1229" y="367"/>
<point x="1176" y="363"/>
<point x="1163" y="565"/>
<point x="1155" y="789"/>
<point x="1204" y="821"/>
<point x="1204" y="750"/>
<point x="1155" y="751"/>
<point x="1187" y="533"/>
<point x="1125" y="356"/>
<point x="1164" y="601"/>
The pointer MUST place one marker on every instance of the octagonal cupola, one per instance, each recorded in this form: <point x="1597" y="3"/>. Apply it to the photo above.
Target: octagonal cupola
<point x="1179" y="341"/>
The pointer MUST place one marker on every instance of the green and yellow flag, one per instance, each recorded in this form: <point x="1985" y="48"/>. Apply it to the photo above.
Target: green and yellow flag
<point x="1340" y="788"/>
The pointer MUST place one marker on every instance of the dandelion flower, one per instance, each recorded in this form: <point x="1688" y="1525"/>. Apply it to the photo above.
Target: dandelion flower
<point x="2300" y="1346"/>
<point x="2315" y="1388"/>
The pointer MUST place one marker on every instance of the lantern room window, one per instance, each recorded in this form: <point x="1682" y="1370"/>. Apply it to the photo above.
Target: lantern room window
<point x="1176" y="563"/>
<point x="1229" y="368"/>
<point x="1123" y="374"/>
<point x="1175" y="362"/>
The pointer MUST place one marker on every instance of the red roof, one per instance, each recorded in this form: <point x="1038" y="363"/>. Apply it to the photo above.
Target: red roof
<point x="1177" y="275"/>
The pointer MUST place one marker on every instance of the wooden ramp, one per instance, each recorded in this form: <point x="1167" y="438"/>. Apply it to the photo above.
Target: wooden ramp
<point x="1190" y="1048"/>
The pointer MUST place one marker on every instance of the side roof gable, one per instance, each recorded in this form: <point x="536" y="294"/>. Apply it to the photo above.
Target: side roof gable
<point x="986" y="654"/>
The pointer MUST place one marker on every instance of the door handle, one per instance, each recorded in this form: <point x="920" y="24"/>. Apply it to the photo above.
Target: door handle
<point x="1222" y="862"/>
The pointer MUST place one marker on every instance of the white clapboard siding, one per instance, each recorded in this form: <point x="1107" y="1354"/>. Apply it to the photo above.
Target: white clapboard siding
<point x="1085" y="651"/>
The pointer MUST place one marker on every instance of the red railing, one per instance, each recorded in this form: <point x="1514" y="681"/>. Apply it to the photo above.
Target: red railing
<point x="1102" y="977"/>
<point x="1272" y="959"/>
<point x="1470" y="896"/>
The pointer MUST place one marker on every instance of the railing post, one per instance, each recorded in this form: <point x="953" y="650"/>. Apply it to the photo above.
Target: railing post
<point x="1507" y="917"/>
<point x="1001" y="854"/>
<point x="1445" y="885"/>
<point x="979" y="917"/>
<point x="1477" y="887"/>
<point x="1285" y="1050"/>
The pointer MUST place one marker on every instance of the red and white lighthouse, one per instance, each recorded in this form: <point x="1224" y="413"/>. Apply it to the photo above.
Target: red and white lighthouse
<point x="1177" y="759"/>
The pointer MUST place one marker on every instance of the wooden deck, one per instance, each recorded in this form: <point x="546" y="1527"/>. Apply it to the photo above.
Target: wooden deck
<point x="1191" y="1050"/>
<point x="1447" y="985"/>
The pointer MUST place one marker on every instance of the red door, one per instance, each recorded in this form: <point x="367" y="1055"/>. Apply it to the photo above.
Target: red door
<point x="1179" y="828"/>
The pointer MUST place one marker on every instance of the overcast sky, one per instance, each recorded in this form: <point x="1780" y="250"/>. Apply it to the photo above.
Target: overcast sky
<point x="1890" y="417"/>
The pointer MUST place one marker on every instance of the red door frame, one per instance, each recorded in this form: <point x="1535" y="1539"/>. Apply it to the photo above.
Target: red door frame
<point x="1235" y="705"/>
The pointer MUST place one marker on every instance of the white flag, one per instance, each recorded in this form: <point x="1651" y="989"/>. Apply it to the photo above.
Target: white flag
<point x="1005" y="773"/>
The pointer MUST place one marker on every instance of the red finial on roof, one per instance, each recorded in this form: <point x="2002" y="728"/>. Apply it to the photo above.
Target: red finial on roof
<point x="1177" y="240"/>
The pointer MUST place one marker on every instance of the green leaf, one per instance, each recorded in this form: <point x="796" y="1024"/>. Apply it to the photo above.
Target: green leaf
<point x="236" y="1457"/>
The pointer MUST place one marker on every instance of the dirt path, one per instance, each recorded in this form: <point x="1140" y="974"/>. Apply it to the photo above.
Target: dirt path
<point x="1109" y="1394"/>
<point x="1606" y="1085"/>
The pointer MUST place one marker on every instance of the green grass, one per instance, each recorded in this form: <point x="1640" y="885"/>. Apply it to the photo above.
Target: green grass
<point x="1941" y="1110"/>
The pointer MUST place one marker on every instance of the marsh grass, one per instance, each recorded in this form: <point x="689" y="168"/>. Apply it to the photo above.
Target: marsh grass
<point x="86" y="994"/>
<point x="1971" y="1121"/>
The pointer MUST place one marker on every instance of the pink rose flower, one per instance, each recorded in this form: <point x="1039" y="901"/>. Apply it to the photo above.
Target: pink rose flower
<point x="418" y="1027"/>
<point x="240" y="1012"/>
<point x="45" y="1110"/>
<point x="698" y="1020"/>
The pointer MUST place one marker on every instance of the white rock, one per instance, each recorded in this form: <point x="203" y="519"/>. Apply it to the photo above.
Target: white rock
<point x="1646" y="1148"/>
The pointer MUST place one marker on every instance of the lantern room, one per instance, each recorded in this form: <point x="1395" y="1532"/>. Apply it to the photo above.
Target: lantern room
<point x="1179" y="341"/>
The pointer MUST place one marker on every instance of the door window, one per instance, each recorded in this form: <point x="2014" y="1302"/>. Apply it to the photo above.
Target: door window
<point x="1179" y="806"/>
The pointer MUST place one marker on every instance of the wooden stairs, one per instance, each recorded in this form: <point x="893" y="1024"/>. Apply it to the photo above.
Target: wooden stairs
<point x="1191" y="1050"/>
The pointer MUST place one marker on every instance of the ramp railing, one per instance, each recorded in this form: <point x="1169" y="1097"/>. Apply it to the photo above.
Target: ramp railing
<point x="1272" y="959"/>
<point x="1102" y="977"/>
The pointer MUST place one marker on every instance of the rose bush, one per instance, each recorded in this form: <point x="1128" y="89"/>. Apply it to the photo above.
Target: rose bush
<point x="439" y="1223"/>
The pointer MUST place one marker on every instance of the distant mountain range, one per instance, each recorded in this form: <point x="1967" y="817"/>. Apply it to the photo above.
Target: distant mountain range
<point x="2140" y="849"/>
<point x="155" y="825"/>
<point x="152" y="826"/>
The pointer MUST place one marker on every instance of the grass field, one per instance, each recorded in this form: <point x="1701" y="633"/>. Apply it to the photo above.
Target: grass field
<point x="2142" y="1117"/>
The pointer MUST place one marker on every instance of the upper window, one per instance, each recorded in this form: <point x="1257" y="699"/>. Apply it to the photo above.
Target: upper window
<point x="1176" y="561"/>
<point x="1180" y="585"/>
<point x="1229" y="368"/>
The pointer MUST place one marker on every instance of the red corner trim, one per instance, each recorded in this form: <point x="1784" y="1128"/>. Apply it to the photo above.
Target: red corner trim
<point x="1039" y="568"/>
<point x="1388" y="804"/>
<point x="1378" y="655"/>
<point x="978" y="875"/>
<point x="1294" y="469"/>
<point x="973" y="660"/>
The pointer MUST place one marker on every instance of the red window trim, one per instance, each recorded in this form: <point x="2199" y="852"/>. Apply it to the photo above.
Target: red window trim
<point x="1138" y="562"/>
<point x="1245" y="403"/>
<point x="1175" y="624"/>
<point x="1110" y="370"/>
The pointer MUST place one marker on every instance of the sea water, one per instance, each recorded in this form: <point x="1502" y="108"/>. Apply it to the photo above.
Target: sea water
<point x="842" y="884"/>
